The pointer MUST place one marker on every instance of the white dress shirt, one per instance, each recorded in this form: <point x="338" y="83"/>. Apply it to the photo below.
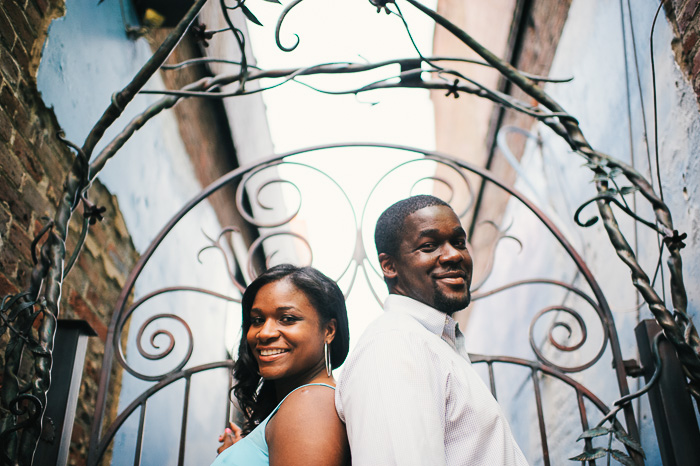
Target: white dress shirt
<point x="409" y="395"/>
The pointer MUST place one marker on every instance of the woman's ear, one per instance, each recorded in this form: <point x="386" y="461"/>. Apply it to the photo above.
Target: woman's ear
<point x="331" y="327"/>
<point x="386" y="262"/>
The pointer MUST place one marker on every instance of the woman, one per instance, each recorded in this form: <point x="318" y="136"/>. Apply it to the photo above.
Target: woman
<point x="294" y="332"/>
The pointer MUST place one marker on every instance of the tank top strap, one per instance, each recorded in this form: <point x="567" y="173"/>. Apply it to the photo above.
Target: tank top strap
<point x="301" y="386"/>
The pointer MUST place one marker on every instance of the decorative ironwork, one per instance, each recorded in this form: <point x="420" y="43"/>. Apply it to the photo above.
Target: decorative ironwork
<point x="246" y="179"/>
<point x="20" y="430"/>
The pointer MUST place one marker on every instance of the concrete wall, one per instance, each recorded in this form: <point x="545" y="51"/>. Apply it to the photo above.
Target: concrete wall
<point x="591" y="50"/>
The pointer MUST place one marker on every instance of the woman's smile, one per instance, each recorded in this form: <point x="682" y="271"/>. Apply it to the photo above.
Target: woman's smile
<point x="268" y="355"/>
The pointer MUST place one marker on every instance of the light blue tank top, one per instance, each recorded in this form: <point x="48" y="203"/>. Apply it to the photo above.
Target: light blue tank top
<point x="252" y="449"/>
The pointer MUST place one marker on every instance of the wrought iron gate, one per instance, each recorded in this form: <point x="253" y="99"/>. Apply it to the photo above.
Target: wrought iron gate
<point x="581" y="310"/>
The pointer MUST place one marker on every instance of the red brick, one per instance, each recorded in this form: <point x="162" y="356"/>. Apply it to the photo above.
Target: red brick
<point x="10" y="166"/>
<point x="24" y="125"/>
<point x="54" y="169"/>
<point x="8" y="101"/>
<point x="25" y="154"/>
<point x="21" y="241"/>
<point x="685" y="17"/>
<point x="53" y="195"/>
<point x="689" y="42"/>
<point x="20" y="23"/>
<point x="93" y="297"/>
<point x="24" y="272"/>
<point x="82" y="310"/>
<point x="5" y="127"/>
<point x="9" y="68"/>
<point x="20" y="54"/>
<point x="696" y="64"/>
<point x="33" y="16"/>
<point x="33" y="198"/>
<point x="42" y="5"/>
<point x="8" y="262"/>
<point x="5" y="217"/>
<point x="12" y="197"/>
<point x="7" y="32"/>
<point x="6" y="286"/>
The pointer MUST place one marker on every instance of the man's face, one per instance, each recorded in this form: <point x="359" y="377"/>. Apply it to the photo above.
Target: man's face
<point x="432" y="265"/>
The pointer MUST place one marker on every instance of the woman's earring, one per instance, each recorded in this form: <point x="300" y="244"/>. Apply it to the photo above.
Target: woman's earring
<point x="327" y="357"/>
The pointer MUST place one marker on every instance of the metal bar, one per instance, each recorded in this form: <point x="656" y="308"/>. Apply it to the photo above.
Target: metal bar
<point x="229" y="403"/>
<point x="540" y="418"/>
<point x="139" y="435"/>
<point x="101" y="447"/>
<point x="183" y="428"/>
<point x="62" y="398"/>
<point x="584" y="422"/>
<point x="671" y="406"/>
<point x="492" y="380"/>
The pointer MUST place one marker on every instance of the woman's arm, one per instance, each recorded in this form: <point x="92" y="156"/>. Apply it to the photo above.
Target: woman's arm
<point x="306" y="430"/>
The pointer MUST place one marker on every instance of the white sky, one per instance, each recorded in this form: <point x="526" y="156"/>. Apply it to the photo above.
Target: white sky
<point x="333" y="31"/>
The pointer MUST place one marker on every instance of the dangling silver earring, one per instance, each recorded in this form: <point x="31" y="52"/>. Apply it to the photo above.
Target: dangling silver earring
<point x="327" y="356"/>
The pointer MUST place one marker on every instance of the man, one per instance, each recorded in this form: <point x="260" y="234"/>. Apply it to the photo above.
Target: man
<point x="408" y="393"/>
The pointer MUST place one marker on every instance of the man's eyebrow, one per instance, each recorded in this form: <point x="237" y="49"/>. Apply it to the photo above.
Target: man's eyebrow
<point x="434" y="231"/>
<point x="429" y="232"/>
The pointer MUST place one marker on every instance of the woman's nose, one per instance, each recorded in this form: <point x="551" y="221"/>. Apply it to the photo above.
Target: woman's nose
<point x="268" y="330"/>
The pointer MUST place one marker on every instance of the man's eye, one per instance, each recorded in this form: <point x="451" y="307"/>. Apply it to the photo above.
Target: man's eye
<point x="426" y="247"/>
<point x="461" y="244"/>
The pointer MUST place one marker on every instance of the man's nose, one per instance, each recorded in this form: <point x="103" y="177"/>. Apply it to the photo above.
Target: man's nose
<point x="450" y="253"/>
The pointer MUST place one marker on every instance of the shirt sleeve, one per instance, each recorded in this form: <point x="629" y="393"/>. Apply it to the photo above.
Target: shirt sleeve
<point x="392" y="400"/>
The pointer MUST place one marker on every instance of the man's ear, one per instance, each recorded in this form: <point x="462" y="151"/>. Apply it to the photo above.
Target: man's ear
<point x="387" y="263"/>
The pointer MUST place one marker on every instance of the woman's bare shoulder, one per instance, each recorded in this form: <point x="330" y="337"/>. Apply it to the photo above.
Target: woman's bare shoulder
<point x="307" y="430"/>
<point x="311" y="403"/>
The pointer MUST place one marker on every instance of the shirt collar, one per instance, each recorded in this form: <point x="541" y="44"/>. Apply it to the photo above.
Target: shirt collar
<point x="433" y="320"/>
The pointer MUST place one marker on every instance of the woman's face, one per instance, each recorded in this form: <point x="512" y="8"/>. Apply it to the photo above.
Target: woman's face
<point x="285" y="335"/>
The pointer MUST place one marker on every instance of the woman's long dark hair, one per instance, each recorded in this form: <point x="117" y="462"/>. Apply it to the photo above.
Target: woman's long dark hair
<point x="257" y="401"/>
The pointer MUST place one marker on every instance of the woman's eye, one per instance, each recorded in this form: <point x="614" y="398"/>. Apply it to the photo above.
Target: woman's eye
<point x="289" y="319"/>
<point x="256" y="321"/>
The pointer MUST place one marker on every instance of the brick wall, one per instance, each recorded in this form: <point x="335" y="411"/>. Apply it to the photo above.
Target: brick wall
<point x="684" y="16"/>
<point x="33" y="166"/>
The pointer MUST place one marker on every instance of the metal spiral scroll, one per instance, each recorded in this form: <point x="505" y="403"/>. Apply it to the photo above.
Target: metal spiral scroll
<point x="501" y="234"/>
<point x="258" y="243"/>
<point x="280" y="20"/>
<point x="161" y="352"/>
<point x="559" y="324"/>
<point x="241" y="189"/>
<point x="255" y="197"/>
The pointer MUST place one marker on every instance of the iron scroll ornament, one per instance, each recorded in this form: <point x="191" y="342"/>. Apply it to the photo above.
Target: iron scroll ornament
<point x="122" y="313"/>
<point x="677" y="324"/>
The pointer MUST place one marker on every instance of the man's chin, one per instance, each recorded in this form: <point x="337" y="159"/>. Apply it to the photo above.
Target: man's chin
<point x="451" y="304"/>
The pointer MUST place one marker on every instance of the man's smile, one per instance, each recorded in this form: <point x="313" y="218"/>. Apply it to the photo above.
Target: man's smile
<point x="456" y="277"/>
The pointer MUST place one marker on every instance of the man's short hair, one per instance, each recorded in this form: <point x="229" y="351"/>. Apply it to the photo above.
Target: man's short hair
<point x="387" y="234"/>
